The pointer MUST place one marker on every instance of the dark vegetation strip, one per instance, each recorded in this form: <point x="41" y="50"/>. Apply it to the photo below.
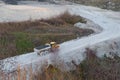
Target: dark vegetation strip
<point x="105" y="4"/>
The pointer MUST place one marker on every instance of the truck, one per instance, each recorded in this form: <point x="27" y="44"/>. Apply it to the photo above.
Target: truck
<point x="47" y="48"/>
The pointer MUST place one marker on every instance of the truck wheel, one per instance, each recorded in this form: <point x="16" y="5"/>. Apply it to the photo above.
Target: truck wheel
<point x="38" y="53"/>
<point x="41" y="54"/>
<point x="46" y="52"/>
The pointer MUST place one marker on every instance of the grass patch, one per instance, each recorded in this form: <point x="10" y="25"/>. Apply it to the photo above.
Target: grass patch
<point x="23" y="44"/>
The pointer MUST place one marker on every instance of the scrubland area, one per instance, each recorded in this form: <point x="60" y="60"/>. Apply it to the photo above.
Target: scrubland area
<point x="21" y="37"/>
<point x="92" y="68"/>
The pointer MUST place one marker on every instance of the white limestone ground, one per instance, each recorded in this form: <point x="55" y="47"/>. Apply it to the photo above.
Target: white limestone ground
<point x="9" y="13"/>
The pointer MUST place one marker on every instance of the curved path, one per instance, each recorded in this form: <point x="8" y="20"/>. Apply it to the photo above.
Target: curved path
<point x="74" y="50"/>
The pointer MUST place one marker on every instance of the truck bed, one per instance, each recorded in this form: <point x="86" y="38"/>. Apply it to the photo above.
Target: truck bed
<point x="41" y="47"/>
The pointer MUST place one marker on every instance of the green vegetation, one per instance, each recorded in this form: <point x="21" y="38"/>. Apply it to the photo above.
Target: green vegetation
<point x="21" y="37"/>
<point x="23" y="44"/>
